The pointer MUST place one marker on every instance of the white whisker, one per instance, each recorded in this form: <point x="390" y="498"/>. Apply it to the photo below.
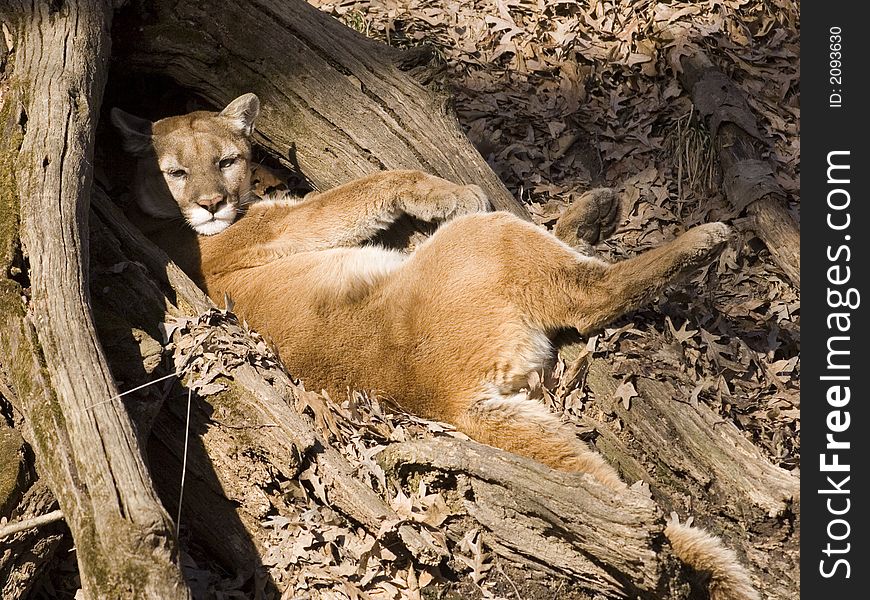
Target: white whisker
<point x="144" y="385"/>
<point x="183" y="462"/>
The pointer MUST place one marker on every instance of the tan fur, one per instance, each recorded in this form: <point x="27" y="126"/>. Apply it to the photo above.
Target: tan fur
<point x="451" y="331"/>
<point x="716" y="564"/>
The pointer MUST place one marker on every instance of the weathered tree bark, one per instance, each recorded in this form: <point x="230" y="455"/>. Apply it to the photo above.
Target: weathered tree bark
<point x="335" y="103"/>
<point x="24" y="553"/>
<point x="13" y="468"/>
<point x="51" y="359"/>
<point x="560" y="522"/>
<point x="749" y="181"/>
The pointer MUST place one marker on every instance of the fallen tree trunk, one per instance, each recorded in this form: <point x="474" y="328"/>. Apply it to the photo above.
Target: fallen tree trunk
<point x="703" y="465"/>
<point x="748" y="180"/>
<point x="335" y="104"/>
<point x="565" y="523"/>
<point x="51" y="359"/>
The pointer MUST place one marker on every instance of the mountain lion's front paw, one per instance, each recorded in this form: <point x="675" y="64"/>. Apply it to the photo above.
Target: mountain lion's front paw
<point x="439" y="200"/>
<point x="468" y="199"/>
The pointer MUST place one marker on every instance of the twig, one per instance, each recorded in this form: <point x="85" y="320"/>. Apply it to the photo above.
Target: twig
<point x="24" y="525"/>
<point x="509" y="580"/>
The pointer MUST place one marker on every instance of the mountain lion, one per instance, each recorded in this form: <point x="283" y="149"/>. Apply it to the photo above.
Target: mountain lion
<point x="451" y="331"/>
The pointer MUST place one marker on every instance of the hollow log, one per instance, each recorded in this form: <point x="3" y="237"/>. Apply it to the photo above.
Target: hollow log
<point x="335" y="104"/>
<point x="51" y="358"/>
<point x="748" y="179"/>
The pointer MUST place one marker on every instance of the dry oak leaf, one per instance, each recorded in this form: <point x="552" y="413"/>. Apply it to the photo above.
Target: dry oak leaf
<point x="625" y="392"/>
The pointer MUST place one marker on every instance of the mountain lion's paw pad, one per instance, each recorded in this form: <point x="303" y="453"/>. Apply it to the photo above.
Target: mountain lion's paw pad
<point x="439" y="200"/>
<point x="591" y="218"/>
<point x="609" y="208"/>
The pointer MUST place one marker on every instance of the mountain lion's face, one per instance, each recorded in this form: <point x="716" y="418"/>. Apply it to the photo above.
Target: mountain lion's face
<point x="196" y="165"/>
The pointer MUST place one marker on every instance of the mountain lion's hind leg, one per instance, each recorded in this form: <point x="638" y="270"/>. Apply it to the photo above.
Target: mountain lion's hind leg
<point x="630" y="284"/>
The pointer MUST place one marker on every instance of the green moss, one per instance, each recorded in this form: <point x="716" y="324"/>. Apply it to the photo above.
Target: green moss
<point x="11" y="471"/>
<point x="14" y="337"/>
<point x="25" y="367"/>
<point x="19" y="350"/>
<point x="230" y="400"/>
<point x="10" y="145"/>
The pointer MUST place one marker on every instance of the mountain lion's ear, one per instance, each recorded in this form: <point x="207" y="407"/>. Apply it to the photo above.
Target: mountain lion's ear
<point x="242" y="112"/>
<point x="135" y="131"/>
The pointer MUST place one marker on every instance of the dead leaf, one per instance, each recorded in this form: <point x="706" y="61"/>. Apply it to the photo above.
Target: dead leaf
<point x="624" y="393"/>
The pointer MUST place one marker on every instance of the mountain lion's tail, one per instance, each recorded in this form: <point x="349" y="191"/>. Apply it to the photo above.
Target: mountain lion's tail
<point x="727" y="579"/>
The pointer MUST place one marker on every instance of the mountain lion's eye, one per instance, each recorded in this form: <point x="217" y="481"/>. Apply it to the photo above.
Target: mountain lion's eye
<point x="226" y="163"/>
<point x="177" y="173"/>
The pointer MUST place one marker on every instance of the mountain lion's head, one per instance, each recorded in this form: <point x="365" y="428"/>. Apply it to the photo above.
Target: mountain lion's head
<point x="198" y="164"/>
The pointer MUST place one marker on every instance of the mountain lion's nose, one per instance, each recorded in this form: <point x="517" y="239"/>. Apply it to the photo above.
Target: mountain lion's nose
<point x="211" y="203"/>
